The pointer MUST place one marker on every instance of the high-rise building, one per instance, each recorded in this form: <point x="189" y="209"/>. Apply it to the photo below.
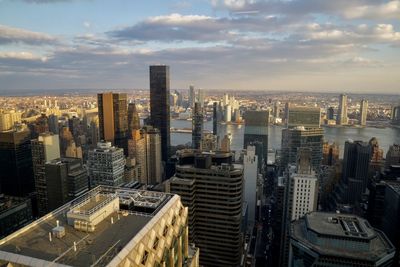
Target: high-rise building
<point x="363" y="112"/>
<point x="8" y="119"/>
<point x="148" y="156"/>
<point x="159" y="106"/>
<point x="330" y="113"/>
<point x="301" y="196"/>
<point x="256" y="131"/>
<point x="276" y="110"/>
<point x="53" y="124"/>
<point x="15" y="212"/>
<point x="341" y="118"/>
<point x="299" y="137"/>
<point x="66" y="179"/>
<point x="392" y="156"/>
<point x="197" y="125"/>
<point x="308" y="117"/>
<point x="113" y="119"/>
<point x="133" y="119"/>
<point x="228" y="113"/>
<point x="200" y="97"/>
<point x="330" y="154"/>
<point x="209" y="142"/>
<point x="105" y="165"/>
<point x="330" y="239"/>
<point x="192" y="96"/>
<point x="16" y="173"/>
<point x="212" y="188"/>
<point x="250" y="174"/>
<point x="107" y="227"/>
<point x="44" y="149"/>
<point x="396" y="116"/>
<point x="215" y="118"/>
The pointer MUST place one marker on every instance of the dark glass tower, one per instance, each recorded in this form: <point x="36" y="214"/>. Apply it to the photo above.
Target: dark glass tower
<point x="159" y="106"/>
<point x="256" y="131"/>
<point x="133" y="118"/>
<point x="197" y="126"/>
<point x="16" y="174"/>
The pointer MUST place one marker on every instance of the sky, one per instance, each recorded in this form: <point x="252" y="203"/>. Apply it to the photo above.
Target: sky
<point x="348" y="46"/>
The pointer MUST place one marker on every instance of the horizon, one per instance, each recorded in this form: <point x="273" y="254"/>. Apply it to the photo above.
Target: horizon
<point x="301" y="45"/>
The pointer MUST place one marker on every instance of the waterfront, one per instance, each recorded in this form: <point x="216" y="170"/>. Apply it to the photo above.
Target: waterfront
<point x="385" y="136"/>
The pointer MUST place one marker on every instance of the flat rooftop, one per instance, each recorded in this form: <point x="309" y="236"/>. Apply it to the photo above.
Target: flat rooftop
<point x="96" y="248"/>
<point x="324" y="234"/>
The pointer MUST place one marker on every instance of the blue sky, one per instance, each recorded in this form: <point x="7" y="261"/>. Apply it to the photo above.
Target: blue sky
<point x="307" y="45"/>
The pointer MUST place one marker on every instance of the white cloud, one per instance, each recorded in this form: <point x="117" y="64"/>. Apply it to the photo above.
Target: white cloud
<point x="380" y="11"/>
<point x="9" y="35"/>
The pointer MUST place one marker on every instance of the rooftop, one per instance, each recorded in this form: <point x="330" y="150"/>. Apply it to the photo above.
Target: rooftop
<point x="32" y="244"/>
<point x="341" y="235"/>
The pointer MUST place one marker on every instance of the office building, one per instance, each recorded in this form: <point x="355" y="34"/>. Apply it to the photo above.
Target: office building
<point x="197" y="125"/>
<point x="341" y="118"/>
<point x="15" y="212"/>
<point x="299" y="137"/>
<point x="66" y="179"/>
<point x="301" y="196"/>
<point x="53" y="124"/>
<point x="250" y="174"/>
<point x="330" y="113"/>
<point x="133" y="119"/>
<point x="211" y="186"/>
<point x="215" y="118"/>
<point x="363" y="112"/>
<point x="192" y="96"/>
<point x="256" y="131"/>
<point x="209" y="142"/>
<point x="228" y="113"/>
<point x="44" y="149"/>
<point x="16" y="173"/>
<point x="200" y="97"/>
<point x="8" y="119"/>
<point x="113" y="119"/>
<point x="330" y="239"/>
<point x="106" y="227"/>
<point x="105" y="165"/>
<point x="159" y="106"/>
<point x="276" y="111"/>
<point x="392" y="156"/>
<point x="330" y="154"/>
<point x="395" y="116"/>
<point x="308" y="117"/>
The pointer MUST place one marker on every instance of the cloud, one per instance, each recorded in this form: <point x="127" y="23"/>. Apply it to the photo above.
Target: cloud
<point x="377" y="11"/>
<point x="10" y="35"/>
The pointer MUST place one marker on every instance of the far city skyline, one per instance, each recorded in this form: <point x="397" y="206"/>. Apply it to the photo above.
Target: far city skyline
<point x="302" y="45"/>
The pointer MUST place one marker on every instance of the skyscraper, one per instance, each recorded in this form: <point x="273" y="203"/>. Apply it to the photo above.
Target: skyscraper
<point x="330" y="239"/>
<point x="44" y="149"/>
<point x="113" y="119"/>
<point x="192" y="96"/>
<point x="299" y="137"/>
<point x="250" y="174"/>
<point x="215" y="212"/>
<point x="197" y="125"/>
<point x="341" y="118"/>
<point x="215" y="118"/>
<point x="16" y="173"/>
<point x="256" y="130"/>
<point x="330" y="113"/>
<point x="395" y="115"/>
<point x="308" y="117"/>
<point x="159" y="106"/>
<point x="106" y="165"/>
<point x="363" y="112"/>
<point x="133" y="119"/>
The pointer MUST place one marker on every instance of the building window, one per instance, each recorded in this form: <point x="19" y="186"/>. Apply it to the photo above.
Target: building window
<point x="155" y="244"/>
<point x="144" y="258"/>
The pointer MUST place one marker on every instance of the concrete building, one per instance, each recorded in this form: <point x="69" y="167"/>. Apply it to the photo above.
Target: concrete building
<point x="212" y="188"/>
<point x="15" y="212"/>
<point x="395" y="116"/>
<point x="105" y="165"/>
<point x="209" y="142"/>
<point x="66" y="179"/>
<point x="44" y="149"/>
<point x="330" y="239"/>
<point x="160" y="107"/>
<point x="192" y="96"/>
<point x="133" y="119"/>
<point x="256" y="131"/>
<point x="113" y="119"/>
<point x="341" y="118"/>
<point x="308" y="117"/>
<point x="392" y="156"/>
<point x="250" y="174"/>
<point x="16" y="173"/>
<point x="330" y="154"/>
<point x="197" y="125"/>
<point x="299" y="137"/>
<point x="106" y="227"/>
<point x="8" y="119"/>
<point x="363" y="112"/>
<point x="228" y="113"/>
<point x="53" y="124"/>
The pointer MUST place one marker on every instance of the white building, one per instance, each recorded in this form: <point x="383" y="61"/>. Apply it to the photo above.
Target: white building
<point x="250" y="174"/>
<point x="106" y="165"/>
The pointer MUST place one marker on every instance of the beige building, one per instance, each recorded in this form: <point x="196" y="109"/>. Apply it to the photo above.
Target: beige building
<point x="8" y="119"/>
<point x="106" y="227"/>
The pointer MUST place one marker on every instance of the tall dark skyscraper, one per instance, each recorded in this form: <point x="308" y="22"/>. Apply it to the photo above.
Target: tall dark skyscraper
<point x="159" y="106"/>
<point x="197" y="126"/>
<point x="16" y="173"/>
<point x="113" y="119"/>
<point x="256" y="131"/>
<point x="133" y="118"/>
<point x="215" y="118"/>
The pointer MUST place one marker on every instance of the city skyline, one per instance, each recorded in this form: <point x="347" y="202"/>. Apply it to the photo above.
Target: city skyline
<point x="303" y="45"/>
